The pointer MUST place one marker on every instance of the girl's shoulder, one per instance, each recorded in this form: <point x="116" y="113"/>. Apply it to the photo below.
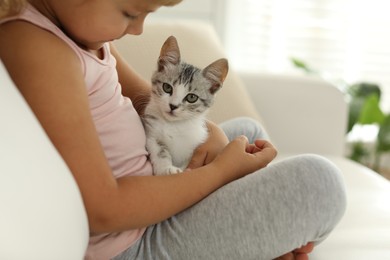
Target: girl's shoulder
<point x="31" y="35"/>
<point x="24" y="44"/>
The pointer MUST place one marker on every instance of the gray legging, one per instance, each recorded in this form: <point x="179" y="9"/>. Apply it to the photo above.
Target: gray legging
<point x="261" y="216"/>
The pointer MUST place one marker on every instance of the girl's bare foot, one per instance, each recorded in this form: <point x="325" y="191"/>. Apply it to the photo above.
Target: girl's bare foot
<point x="299" y="253"/>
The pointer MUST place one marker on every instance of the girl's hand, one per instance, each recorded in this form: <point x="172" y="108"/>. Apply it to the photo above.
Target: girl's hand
<point x="240" y="158"/>
<point x="206" y="152"/>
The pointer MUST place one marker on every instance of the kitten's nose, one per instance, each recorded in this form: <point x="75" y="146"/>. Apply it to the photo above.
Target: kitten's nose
<point x="173" y="107"/>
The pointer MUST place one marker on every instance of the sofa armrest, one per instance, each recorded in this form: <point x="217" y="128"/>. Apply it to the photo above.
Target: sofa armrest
<point x="301" y="114"/>
<point x="42" y="212"/>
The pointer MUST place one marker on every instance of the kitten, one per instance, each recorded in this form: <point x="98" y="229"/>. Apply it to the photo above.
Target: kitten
<point x="174" y="118"/>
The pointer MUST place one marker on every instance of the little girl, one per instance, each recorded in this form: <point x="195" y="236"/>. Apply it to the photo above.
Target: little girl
<point x="231" y="205"/>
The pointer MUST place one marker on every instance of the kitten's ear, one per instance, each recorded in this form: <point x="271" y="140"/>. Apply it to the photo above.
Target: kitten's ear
<point x="169" y="53"/>
<point x="216" y="72"/>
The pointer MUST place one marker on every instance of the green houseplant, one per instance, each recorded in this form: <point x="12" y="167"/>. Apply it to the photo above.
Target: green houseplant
<point x="364" y="108"/>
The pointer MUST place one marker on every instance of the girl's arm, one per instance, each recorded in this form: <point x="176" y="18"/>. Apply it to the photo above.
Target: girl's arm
<point x="209" y="150"/>
<point x="48" y="74"/>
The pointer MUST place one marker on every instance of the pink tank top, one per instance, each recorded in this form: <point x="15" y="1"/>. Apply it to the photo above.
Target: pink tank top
<point x="117" y="123"/>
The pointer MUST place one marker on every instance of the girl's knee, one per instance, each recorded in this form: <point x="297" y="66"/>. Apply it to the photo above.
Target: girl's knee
<point x="255" y="128"/>
<point x="244" y="126"/>
<point x="329" y="182"/>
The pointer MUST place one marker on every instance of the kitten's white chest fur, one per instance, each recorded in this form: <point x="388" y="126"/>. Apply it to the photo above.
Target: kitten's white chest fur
<point x="171" y="144"/>
<point x="182" y="138"/>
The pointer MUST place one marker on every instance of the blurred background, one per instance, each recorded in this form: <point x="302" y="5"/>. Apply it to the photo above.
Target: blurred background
<point x="346" y="42"/>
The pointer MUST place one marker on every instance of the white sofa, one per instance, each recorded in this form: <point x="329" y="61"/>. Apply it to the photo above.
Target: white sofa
<point x="42" y="215"/>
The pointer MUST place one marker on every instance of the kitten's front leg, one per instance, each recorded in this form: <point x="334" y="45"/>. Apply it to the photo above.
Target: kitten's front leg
<point x="160" y="158"/>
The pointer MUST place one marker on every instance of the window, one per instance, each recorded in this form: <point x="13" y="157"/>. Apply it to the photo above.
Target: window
<point x="349" y="39"/>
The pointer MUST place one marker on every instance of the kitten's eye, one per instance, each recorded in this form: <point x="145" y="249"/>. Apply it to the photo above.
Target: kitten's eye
<point x="167" y="88"/>
<point x="191" y="98"/>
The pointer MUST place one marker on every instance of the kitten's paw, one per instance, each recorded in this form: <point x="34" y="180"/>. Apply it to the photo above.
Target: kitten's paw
<point x="173" y="170"/>
<point x="167" y="171"/>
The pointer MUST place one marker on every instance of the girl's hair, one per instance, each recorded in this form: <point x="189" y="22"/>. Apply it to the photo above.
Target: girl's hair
<point x="11" y="7"/>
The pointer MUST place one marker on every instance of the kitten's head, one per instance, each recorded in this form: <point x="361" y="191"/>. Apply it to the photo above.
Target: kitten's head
<point x="182" y="91"/>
